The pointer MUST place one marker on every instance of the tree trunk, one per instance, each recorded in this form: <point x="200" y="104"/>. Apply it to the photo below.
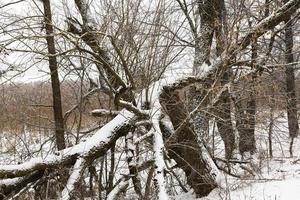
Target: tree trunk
<point x="290" y="84"/>
<point x="213" y="21"/>
<point x="132" y="163"/>
<point x="247" y="132"/>
<point x="204" y="41"/>
<point x="272" y="121"/>
<point x="246" y="112"/>
<point x="224" y="124"/>
<point x="56" y="94"/>
<point x="223" y="110"/>
<point x="185" y="148"/>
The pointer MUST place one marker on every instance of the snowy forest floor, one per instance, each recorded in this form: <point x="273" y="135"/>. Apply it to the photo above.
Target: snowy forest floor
<point x="279" y="180"/>
<point x="276" y="178"/>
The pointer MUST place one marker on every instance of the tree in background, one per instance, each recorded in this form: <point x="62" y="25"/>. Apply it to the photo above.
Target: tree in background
<point x="291" y="100"/>
<point x="53" y="65"/>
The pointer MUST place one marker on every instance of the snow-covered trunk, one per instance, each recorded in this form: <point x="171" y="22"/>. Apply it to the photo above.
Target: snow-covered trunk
<point x="203" y="43"/>
<point x="158" y="148"/>
<point x="116" y="191"/>
<point x="132" y="165"/>
<point x="185" y="148"/>
<point x="14" y="186"/>
<point x="71" y="189"/>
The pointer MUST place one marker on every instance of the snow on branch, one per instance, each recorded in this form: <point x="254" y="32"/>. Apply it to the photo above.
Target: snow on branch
<point x="226" y="60"/>
<point x="16" y="185"/>
<point x="96" y="146"/>
<point x="158" y="147"/>
<point x="124" y="183"/>
<point x="283" y="13"/>
<point x="104" y="112"/>
<point x="74" y="178"/>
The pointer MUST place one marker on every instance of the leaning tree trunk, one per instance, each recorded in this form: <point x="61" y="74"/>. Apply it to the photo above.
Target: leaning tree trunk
<point x="290" y="84"/>
<point x="56" y="94"/>
<point x="185" y="148"/>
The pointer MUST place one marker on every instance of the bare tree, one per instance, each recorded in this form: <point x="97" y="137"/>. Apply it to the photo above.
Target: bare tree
<point x="290" y="83"/>
<point x="53" y="65"/>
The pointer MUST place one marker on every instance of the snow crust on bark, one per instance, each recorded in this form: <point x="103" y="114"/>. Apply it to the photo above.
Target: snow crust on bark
<point x="73" y="179"/>
<point x="158" y="147"/>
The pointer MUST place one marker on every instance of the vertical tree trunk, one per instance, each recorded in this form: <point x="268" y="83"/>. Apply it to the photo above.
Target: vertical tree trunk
<point x="204" y="41"/>
<point x="112" y="169"/>
<point x="56" y="94"/>
<point x="223" y="119"/>
<point x="246" y="111"/>
<point x="271" y="124"/>
<point x="224" y="124"/>
<point x="213" y="21"/>
<point x="290" y="84"/>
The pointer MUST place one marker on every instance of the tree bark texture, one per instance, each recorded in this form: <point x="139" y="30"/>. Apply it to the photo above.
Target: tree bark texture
<point x="213" y="23"/>
<point x="184" y="147"/>
<point x="56" y="94"/>
<point x="290" y="81"/>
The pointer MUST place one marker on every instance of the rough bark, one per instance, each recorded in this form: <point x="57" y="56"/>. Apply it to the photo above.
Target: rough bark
<point x="6" y="191"/>
<point x="246" y="112"/>
<point x="244" y="123"/>
<point x="203" y="42"/>
<point x="224" y="124"/>
<point x="290" y="84"/>
<point x="272" y="121"/>
<point x="192" y="159"/>
<point x="132" y="165"/>
<point x="223" y="119"/>
<point x="56" y="94"/>
<point x="213" y="23"/>
<point x="184" y="147"/>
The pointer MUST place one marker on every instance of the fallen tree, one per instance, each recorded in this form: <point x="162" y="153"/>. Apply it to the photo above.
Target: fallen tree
<point x="181" y="144"/>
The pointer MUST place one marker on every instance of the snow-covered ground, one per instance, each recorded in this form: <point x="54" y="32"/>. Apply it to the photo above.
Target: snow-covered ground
<point x="278" y="179"/>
